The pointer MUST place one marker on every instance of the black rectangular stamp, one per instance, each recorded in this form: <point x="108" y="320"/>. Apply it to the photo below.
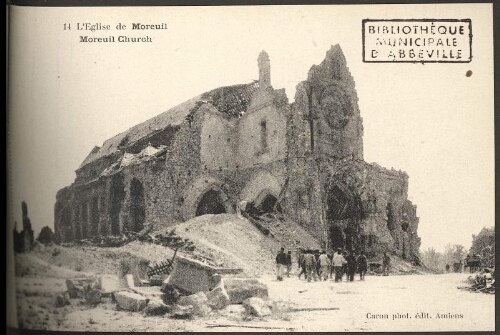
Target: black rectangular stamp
<point x="417" y="41"/>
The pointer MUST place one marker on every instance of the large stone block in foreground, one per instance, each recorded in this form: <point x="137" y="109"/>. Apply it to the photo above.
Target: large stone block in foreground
<point x="130" y="301"/>
<point x="192" y="276"/>
<point x="156" y="307"/>
<point x="257" y="307"/>
<point x="199" y="302"/>
<point x="239" y="289"/>
<point x="218" y="298"/>
<point x="109" y="284"/>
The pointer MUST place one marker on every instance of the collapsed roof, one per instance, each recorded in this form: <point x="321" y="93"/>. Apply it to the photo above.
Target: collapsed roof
<point x="230" y="101"/>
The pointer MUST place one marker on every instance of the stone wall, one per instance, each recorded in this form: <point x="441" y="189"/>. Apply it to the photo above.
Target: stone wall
<point x="308" y="154"/>
<point x="219" y="142"/>
<point x="262" y="131"/>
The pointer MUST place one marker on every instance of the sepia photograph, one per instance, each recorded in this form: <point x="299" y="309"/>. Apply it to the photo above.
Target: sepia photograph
<point x="290" y="168"/>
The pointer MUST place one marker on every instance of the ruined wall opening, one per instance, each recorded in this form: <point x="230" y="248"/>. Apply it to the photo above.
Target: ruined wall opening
<point x="405" y="225"/>
<point x="104" y="225"/>
<point x="268" y="203"/>
<point x="94" y="221"/>
<point x="336" y="237"/>
<point x="78" y="227"/>
<point x="211" y="203"/>
<point x="391" y="220"/>
<point x="117" y="194"/>
<point x="344" y="212"/>
<point x="263" y="136"/>
<point x="342" y="206"/>
<point x="404" y="222"/>
<point x="84" y="220"/>
<point x="137" y="205"/>
<point x="350" y="238"/>
<point x="66" y="224"/>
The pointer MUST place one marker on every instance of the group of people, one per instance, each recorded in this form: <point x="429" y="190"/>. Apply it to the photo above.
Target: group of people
<point x="283" y="264"/>
<point x="318" y="265"/>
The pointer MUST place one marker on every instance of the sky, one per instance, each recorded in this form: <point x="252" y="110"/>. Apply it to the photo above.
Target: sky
<point x="429" y="120"/>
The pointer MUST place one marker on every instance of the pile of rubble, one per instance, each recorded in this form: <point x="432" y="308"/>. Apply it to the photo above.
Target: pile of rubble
<point x="483" y="281"/>
<point x="275" y="224"/>
<point x="169" y="239"/>
<point x="192" y="289"/>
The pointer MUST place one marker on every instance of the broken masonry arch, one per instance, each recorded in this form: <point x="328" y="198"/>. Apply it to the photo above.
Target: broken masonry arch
<point x="205" y="195"/>
<point x="211" y="202"/>
<point x="268" y="202"/>
<point x="344" y="212"/>
<point x="263" y="190"/>
<point x="137" y="210"/>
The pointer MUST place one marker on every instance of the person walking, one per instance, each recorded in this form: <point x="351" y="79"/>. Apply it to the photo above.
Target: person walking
<point x="324" y="263"/>
<point x="330" y="266"/>
<point x="338" y="261"/>
<point x="351" y="265"/>
<point x="386" y="261"/>
<point x="280" y="263"/>
<point x="302" y="264"/>
<point x="316" y="259"/>
<point x="288" y="263"/>
<point x="362" y="265"/>
<point x="310" y="263"/>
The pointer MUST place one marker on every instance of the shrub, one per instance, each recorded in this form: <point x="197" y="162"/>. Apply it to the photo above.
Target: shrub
<point x="46" y="235"/>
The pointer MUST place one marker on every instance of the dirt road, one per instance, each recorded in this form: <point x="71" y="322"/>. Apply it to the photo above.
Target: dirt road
<point x="394" y="303"/>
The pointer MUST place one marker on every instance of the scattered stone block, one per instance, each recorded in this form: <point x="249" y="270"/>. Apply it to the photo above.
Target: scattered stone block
<point x="193" y="276"/>
<point x="215" y="280"/>
<point x="109" y="284"/>
<point x="240" y="289"/>
<point x="156" y="280"/>
<point x="150" y="293"/>
<point x="61" y="300"/>
<point x="257" y="307"/>
<point x="218" y="298"/>
<point x="199" y="301"/>
<point x="130" y="280"/>
<point x="130" y="301"/>
<point x="171" y="295"/>
<point x="145" y="282"/>
<point x="78" y="287"/>
<point x="93" y="297"/>
<point x="156" y="307"/>
<point x="182" y="312"/>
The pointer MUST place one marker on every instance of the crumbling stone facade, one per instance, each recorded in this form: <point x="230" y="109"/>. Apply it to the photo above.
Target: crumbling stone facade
<point x="24" y="240"/>
<point x="247" y="142"/>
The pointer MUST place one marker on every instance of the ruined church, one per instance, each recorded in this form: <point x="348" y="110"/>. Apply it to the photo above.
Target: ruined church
<point x="248" y="143"/>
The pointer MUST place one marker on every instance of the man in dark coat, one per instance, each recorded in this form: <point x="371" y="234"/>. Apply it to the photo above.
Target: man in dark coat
<point x="351" y="265"/>
<point x="280" y="263"/>
<point x="362" y="265"/>
<point x="302" y="264"/>
<point x="288" y="263"/>
<point x="316" y="259"/>
<point x="330" y="257"/>
<point x="386" y="262"/>
<point x="310" y="262"/>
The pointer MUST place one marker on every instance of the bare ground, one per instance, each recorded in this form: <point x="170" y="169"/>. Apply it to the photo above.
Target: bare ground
<point x="41" y="274"/>
<point x="368" y="305"/>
